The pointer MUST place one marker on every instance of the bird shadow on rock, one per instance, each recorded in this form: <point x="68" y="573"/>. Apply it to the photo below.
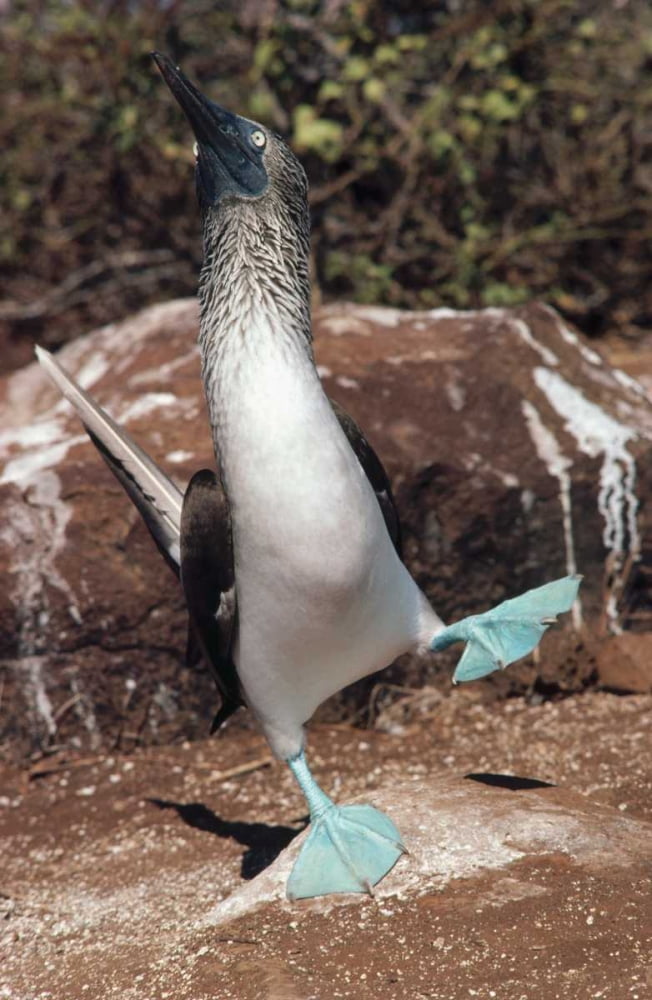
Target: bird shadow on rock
<point x="264" y="843"/>
<point x="511" y="782"/>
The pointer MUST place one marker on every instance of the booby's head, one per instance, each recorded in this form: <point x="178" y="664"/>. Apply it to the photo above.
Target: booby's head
<point x="238" y="160"/>
<point x="253" y="195"/>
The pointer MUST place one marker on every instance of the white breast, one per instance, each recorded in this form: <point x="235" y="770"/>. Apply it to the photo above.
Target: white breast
<point x="322" y="597"/>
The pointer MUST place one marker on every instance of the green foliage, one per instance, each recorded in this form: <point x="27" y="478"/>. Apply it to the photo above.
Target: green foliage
<point x="316" y="134"/>
<point x="469" y="157"/>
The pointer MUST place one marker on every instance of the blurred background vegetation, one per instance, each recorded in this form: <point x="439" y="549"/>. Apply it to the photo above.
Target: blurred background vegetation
<point x="462" y="153"/>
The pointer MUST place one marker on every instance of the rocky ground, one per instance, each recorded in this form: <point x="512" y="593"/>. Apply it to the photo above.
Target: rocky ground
<point x="146" y="876"/>
<point x="136" y="866"/>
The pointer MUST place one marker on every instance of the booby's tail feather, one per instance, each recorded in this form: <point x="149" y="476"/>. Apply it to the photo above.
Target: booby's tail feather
<point x="155" y="496"/>
<point x="509" y="631"/>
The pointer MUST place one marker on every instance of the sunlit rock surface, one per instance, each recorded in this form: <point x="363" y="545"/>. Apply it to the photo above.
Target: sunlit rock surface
<point x="465" y="830"/>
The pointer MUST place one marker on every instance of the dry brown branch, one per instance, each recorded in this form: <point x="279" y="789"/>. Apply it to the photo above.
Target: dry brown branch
<point x="61" y="297"/>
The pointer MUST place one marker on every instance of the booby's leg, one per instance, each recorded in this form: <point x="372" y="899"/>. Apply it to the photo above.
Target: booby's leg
<point x="348" y="849"/>
<point x="509" y="631"/>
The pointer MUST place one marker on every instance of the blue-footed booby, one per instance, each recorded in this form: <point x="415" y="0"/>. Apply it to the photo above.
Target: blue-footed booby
<point x="289" y="556"/>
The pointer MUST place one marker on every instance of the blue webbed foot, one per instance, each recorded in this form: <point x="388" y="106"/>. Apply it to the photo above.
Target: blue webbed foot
<point x="509" y="631"/>
<point x="348" y="849"/>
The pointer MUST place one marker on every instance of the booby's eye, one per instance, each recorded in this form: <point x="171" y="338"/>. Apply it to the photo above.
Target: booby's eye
<point x="195" y="150"/>
<point x="258" y="138"/>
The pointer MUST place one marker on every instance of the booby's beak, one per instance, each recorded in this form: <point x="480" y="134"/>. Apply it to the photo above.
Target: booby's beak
<point x="229" y="148"/>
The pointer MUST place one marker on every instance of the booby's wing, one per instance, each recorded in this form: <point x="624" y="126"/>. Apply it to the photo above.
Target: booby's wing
<point x="208" y="581"/>
<point x="164" y="509"/>
<point x="374" y="471"/>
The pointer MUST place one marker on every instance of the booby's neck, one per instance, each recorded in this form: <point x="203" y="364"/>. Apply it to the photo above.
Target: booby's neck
<point x="254" y="296"/>
<point x="254" y="278"/>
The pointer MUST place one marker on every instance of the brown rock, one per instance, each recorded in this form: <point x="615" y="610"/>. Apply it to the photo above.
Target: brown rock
<point x="624" y="662"/>
<point x="516" y="453"/>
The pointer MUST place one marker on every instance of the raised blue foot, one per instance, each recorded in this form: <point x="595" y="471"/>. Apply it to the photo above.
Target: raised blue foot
<point x="509" y="631"/>
<point x="348" y="849"/>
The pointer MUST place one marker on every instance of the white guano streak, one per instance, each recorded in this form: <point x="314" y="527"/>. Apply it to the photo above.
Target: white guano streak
<point x="522" y="329"/>
<point x="597" y="433"/>
<point x="571" y="338"/>
<point x="558" y="464"/>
